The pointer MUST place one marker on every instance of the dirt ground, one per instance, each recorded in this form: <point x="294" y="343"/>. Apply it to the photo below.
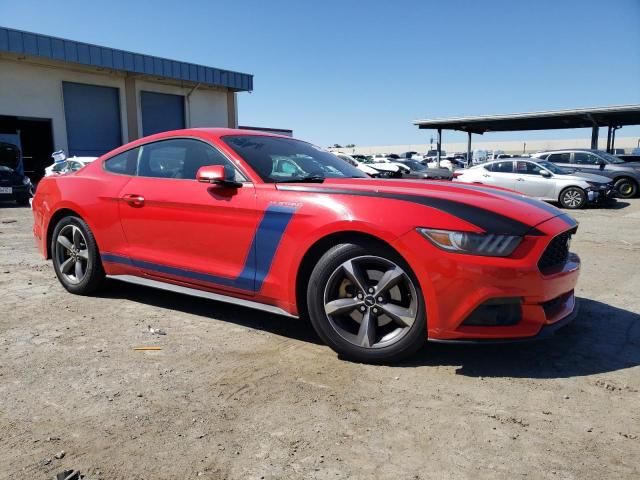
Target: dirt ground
<point x="236" y="393"/>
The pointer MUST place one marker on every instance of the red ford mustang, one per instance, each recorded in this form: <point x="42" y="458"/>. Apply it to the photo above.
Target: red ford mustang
<point x="270" y="222"/>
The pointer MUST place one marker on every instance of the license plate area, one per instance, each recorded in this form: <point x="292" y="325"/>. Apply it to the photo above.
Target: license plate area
<point x="6" y="190"/>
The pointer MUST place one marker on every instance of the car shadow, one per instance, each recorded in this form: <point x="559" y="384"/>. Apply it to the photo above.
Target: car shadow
<point x="613" y="204"/>
<point x="11" y="204"/>
<point x="602" y="339"/>
<point x="281" y="325"/>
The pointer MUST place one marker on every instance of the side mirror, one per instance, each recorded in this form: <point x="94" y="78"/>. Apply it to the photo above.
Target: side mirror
<point x="545" y="173"/>
<point x="216" y="175"/>
<point x="601" y="163"/>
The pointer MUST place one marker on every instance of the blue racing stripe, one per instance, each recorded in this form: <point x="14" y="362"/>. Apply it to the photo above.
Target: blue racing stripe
<point x="257" y="264"/>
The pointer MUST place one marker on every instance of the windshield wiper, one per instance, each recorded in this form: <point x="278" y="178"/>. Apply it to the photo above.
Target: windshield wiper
<point x="304" y="179"/>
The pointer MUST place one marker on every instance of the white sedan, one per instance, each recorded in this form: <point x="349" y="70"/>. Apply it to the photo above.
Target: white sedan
<point x="63" y="165"/>
<point x="540" y="179"/>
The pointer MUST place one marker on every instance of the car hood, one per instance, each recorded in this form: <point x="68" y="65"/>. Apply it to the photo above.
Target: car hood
<point x="491" y="209"/>
<point x="634" y="165"/>
<point x="590" y="177"/>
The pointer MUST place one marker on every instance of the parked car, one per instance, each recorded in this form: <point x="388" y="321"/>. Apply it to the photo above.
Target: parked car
<point x="432" y="155"/>
<point x="204" y="212"/>
<point x="385" y="169"/>
<point x="62" y="164"/>
<point x="378" y="160"/>
<point x="626" y="175"/>
<point x="542" y="180"/>
<point x="419" y="170"/>
<point x="372" y="172"/>
<point x="14" y="185"/>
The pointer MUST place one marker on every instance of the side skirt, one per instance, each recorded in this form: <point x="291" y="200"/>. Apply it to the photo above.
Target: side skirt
<point x="146" y="282"/>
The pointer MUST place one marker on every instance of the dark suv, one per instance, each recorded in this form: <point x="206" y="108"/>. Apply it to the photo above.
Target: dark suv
<point x="14" y="185"/>
<point x="625" y="175"/>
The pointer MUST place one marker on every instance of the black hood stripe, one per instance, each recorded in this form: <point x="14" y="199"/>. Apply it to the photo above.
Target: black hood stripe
<point x="485" y="219"/>
<point x="521" y="198"/>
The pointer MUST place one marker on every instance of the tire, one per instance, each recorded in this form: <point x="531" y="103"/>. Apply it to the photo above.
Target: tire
<point x="333" y="285"/>
<point x="626" y="187"/>
<point x="573" y="198"/>
<point x="72" y="243"/>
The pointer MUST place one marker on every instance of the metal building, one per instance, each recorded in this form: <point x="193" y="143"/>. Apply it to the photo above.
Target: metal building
<point x="87" y="99"/>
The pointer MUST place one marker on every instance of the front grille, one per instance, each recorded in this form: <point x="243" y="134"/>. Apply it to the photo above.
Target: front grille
<point x="556" y="253"/>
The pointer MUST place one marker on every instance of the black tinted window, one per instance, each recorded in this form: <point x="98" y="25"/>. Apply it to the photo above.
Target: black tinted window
<point x="505" y="167"/>
<point x="584" y="158"/>
<point x="559" y="158"/>
<point x="527" y="168"/>
<point x="181" y="158"/>
<point x="123" y="163"/>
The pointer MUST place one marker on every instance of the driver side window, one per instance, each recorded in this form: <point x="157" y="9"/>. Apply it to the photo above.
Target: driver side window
<point x="584" y="158"/>
<point x="182" y="158"/>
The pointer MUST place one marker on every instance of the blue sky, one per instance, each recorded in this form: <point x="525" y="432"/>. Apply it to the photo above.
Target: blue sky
<point x="359" y="72"/>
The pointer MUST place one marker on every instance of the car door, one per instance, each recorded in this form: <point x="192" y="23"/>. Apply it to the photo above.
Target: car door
<point x="530" y="182"/>
<point x="498" y="174"/>
<point x="180" y="229"/>
<point x="586" y="162"/>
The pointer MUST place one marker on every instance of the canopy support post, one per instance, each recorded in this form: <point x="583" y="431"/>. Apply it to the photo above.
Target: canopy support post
<point x="439" y="147"/>
<point x="469" y="160"/>
<point x="594" y="137"/>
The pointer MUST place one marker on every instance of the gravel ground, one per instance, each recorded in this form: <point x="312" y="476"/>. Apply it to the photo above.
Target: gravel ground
<point x="236" y="394"/>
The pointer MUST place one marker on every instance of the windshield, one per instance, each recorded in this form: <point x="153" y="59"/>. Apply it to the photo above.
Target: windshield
<point x="9" y="155"/>
<point x="277" y="159"/>
<point x="553" y="168"/>
<point x="610" y="158"/>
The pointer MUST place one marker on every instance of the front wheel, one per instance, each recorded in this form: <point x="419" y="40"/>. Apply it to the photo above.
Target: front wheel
<point x="366" y="304"/>
<point x="573" y="198"/>
<point x="76" y="259"/>
<point x="626" y="188"/>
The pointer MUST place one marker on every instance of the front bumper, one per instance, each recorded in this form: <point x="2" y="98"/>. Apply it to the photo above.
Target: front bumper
<point x="600" y="195"/>
<point x="455" y="286"/>
<point x="17" y="191"/>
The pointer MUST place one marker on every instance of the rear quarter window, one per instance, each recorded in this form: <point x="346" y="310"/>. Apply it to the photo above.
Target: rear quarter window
<point x="124" y="163"/>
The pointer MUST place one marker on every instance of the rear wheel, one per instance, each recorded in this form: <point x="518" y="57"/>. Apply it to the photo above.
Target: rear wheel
<point x="76" y="260"/>
<point x="626" y="188"/>
<point x="366" y="304"/>
<point x="573" y="198"/>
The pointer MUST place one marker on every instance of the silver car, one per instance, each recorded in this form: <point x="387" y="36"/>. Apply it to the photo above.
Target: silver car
<point x="541" y="179"/>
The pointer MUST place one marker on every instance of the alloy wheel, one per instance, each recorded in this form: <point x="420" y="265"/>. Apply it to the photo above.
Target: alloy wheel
<point x="370" y="302"/>
<point x="72" y="254"/>
<point x="572" y="198"/>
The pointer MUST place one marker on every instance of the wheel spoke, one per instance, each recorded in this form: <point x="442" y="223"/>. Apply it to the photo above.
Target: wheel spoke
<point x="79" y="271"/>
<point x="341" y="305"/>
<point x="77" y="237"/>
<point x="65" y="242"/>
<point x="84" y="254"/>
<point x="367" y="331"/>
<point x="401" y="315"/>
<point x="355" y="275"/>
<point x="389" y="280"/>
<point x="67" y="265"/>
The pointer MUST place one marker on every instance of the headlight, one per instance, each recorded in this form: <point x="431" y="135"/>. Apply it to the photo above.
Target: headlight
<point x="486" y="244"/>
<point x="26" y="181"/>
<point x="597" y="185"/>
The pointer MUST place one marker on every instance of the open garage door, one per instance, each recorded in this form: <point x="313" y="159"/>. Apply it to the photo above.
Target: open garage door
<point x="161" y="112"/>
<point x="93" y="118"/>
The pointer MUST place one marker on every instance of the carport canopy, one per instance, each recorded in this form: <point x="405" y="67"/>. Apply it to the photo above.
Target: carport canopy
<point x="613" y="117"/>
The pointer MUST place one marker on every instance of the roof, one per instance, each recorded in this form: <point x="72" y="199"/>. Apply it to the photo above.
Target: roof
<point x="618" y="115"/>
<point x="70" y="51"/>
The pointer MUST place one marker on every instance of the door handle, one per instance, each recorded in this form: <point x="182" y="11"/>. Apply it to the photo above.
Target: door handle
<point x="486" y="175"/>
<point x="520" y="179"/>
<point x="134" y="200"/>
